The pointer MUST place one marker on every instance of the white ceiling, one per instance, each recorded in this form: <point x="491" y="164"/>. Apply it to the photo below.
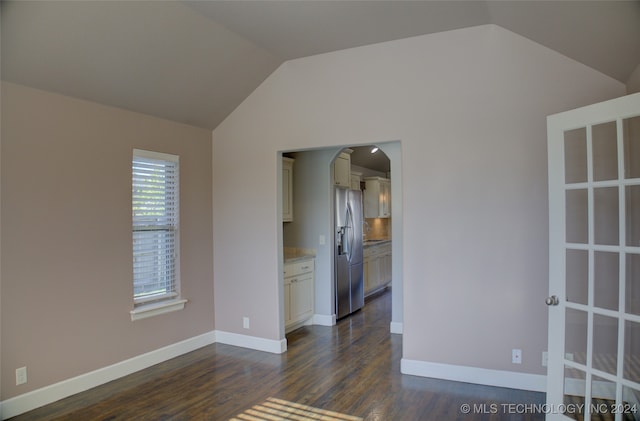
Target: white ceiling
<point x="194" y="62"/>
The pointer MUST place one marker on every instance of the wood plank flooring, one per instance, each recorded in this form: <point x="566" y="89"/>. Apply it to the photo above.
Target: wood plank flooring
<point x="351" y="368"/>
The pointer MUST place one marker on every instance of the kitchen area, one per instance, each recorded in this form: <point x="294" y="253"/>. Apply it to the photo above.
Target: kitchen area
<point x="329" y="271"/>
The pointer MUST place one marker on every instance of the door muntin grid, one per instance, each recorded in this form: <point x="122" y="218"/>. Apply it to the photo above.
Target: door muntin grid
<point x="602" y="268"/>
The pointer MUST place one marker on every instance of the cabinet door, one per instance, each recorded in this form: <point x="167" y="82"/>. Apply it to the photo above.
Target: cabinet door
<point x="385" y="202"/>
<point x="365" y="272"/>
<point x="287" y="189"/>
<point x="301" y="297"/>
<point x="385" y="269"/>
<point x="355" y="180"/>
<point x="377" y="198"/>
<point x="342" y="171"/>
<point x="374" y="272"/>
<point x="370" y="199"/>
<point x="287" y="301"/>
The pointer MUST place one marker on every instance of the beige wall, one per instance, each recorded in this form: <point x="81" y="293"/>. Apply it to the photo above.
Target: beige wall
<point x="633" y="84"/>
<point x="469" y="108"/>
<point x="66" y="239"/>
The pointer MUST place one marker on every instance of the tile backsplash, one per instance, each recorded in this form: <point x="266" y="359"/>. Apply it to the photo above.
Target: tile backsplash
<point x="378" y="228"/>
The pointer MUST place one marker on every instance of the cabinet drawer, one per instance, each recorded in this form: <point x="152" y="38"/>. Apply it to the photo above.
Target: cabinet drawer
<point x="297" y="268"/>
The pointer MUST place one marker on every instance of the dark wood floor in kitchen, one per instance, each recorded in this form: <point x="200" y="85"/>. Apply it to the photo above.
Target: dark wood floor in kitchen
<point x="352" y="368"/>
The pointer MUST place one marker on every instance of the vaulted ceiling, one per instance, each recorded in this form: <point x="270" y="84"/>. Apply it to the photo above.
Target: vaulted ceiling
<point x="194" y="62"/>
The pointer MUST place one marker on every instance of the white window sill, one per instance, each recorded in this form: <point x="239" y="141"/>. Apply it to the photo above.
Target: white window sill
<point x="150" y="310"/>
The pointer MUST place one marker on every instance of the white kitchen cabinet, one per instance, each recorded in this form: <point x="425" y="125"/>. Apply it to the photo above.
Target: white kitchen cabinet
<point x="298" y="293"/>
<point x="342" y="169"/>
<point x="356" y="177"/>
<point x="377" y="197"/>
<point x="366" y="265"/>
<point x="385" y="266"/>
<point x="376" y="267"/>
<point x="371" y="272"/>
<point x="287" y="189"/>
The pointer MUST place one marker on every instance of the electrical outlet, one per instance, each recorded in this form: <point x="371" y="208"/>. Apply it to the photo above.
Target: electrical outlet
<point x="21" y="375"/>
<point x="322" y="240"/>
<point x="245" y="322"/>
<point x="516" y="356"/>
<point x="545" y="358"/>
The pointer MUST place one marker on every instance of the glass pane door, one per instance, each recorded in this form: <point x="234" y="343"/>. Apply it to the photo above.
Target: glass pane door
<point x="594" y="331"/>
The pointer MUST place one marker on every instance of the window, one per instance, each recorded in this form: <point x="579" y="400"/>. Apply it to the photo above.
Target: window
<point x="155" y="206"/>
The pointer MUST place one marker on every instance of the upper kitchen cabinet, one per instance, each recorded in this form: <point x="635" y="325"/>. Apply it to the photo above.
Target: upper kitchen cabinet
<point x="287" y="189"/>
<point x="342" y="169"/>
<point x="377" y="197"/>
<point x="355" y="180"/>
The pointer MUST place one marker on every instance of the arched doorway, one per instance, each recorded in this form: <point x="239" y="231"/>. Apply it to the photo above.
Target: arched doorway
<point x="312" y="227"/>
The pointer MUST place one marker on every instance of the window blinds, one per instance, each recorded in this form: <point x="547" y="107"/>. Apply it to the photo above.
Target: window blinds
<point x="155" y="223"/>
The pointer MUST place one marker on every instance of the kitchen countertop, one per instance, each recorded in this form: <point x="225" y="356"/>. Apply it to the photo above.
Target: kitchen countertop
<point x="292" y="255"/>
<point x="369" y="243"/>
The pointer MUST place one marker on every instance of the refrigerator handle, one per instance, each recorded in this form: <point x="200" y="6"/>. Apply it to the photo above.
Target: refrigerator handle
<point x="350" y="232"/>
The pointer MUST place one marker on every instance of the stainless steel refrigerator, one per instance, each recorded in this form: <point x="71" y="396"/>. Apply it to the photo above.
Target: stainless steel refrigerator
<point x="348" y="251"/>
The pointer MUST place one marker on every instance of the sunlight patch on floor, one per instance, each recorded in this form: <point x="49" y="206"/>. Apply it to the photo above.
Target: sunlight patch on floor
<point x="274" y="409"/>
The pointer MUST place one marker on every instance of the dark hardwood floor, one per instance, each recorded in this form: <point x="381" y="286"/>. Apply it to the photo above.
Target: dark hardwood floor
<point x="352" y="368"/>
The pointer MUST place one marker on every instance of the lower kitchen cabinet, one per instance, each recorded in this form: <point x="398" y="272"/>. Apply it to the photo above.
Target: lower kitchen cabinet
<point x="377" y="267"/>
<point x="298" y="293"/>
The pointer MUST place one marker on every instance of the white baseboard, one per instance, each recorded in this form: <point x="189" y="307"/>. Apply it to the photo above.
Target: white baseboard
<point x="324" y="320"/>
<point x="488" y="377"/>
<point x="48" y="394"/>
<point x="396" y="327"/>
<point x="252" y="342"/>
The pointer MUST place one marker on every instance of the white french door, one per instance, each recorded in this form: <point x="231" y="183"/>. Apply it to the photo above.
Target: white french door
<point x="594" y="262"/>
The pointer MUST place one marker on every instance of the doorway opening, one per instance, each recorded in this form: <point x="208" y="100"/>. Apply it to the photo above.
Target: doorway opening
<point x="309" y="190"/>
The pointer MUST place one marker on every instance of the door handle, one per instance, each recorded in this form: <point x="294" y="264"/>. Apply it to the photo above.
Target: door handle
<point x="349" y="233"/>
<point x="552" y="301"/>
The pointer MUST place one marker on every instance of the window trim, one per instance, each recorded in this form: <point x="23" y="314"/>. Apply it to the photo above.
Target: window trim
<point x="156" y="308"/>
<point x="153" y="305"/>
